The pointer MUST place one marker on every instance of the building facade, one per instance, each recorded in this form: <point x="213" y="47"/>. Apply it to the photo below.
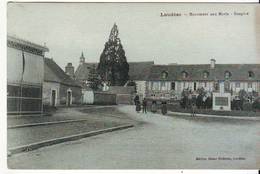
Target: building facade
<point x="170" y="80"/>
<point x="25" y="74"/>
<point x="82" y="71"/>
<point x="58" y="87"/>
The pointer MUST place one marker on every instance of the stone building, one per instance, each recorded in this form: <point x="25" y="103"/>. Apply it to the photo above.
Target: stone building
<point x="168" y="81"/>
<point x="25" y="74"/>
<point x="82" y="71"/>
<point x="138" y="72"/>
<point x="58" y="87"/>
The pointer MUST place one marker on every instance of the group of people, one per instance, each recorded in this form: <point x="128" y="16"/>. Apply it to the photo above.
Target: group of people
<point x="138" y="104"/>
<point x="143" y="105"/>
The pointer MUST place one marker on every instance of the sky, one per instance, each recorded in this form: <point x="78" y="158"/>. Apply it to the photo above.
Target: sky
<point x="70" y="28"/>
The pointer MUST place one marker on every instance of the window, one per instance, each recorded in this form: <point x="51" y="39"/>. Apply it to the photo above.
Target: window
<point x="227" y="74"/>
<point x="195" y="86"/>
<point x="216" y="86"/>
<point x="28" y="91"/>
<point x="184" y="74"/>
<point x="173" y="86"/>
<point x="163" y="85"/>
<point x="205" y="74"/>
<point x="237" y="85"/>
<point x="24" y="98"/>
<point x="155" y="86"/>
<point x="251" y="74"/>
<point x="164" y="75"/>
<point x="13" y="90"/>
<point x="249" y="85"/>
<point x="151" y="87"/>
<point x="227" y="86"/>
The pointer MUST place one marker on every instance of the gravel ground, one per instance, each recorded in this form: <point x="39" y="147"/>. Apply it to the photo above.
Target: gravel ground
<point x="110" y="110"/>
<point x="161" y="143"/>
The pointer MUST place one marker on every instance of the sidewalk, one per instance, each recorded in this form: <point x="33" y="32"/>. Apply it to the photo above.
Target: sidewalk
<point x="87" y="122"/>
<point x="214" y="116"/>
<point x="28" y="135"/>
<point x="62" y="114"/>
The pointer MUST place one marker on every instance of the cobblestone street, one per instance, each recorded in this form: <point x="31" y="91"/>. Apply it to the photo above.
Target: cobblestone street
<point x="161" y="142"/>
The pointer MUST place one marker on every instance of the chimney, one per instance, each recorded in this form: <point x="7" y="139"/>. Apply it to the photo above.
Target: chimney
<point x="212" y="63"/>
<point x="69" y="69"/>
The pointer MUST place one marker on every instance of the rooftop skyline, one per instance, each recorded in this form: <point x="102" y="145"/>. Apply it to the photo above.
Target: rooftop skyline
<point x="145" y="35"/>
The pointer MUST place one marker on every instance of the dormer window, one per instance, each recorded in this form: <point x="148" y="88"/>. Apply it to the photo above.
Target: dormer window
<point x="164" y="75"/>
<point x="205" y="74"/>
<point x="184" y="74"/>
<point x="251" y="74"/>
<point x="227" y="75"/>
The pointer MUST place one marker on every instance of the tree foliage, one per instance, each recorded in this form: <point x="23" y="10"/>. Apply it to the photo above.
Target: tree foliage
<point x="132" y="83"/>
<point x="242" y="94"/>
<point x="113" y="67"/>
<point x="94" y="81"/>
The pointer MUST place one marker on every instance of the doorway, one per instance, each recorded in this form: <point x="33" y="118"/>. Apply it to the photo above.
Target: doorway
<point x="69" y="97"/>
<point x="53" y="98"/>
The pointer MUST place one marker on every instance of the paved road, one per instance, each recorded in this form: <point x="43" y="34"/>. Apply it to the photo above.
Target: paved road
<point x="161" y="142"/>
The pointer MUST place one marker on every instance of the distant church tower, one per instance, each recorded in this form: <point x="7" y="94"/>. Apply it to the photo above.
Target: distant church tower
<point x="82" y="58"/>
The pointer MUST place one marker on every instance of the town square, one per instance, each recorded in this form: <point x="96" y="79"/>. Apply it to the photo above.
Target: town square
<point x="157" y="89"/>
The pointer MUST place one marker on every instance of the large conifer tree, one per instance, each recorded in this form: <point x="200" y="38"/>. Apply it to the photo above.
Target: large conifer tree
<point x="94" y="81"/>
<point x="113" y="67"/>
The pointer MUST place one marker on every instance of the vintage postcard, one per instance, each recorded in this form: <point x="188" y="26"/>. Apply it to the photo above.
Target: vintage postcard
<point x="133" y="85"/>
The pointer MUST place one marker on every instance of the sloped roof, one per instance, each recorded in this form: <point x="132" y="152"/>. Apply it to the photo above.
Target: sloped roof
<point x="26" y="43"/>
<point x="82" y="70"/>
<point x="195" y="72"/>
<point x="137" y="70"/>
<point x="56" y="74"/>
<point x="149" y="71"/>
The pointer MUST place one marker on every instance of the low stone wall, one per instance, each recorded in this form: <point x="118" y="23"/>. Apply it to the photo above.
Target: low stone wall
<point x="101" y="98"/>
<point x="124" y="94"/>
<point x="121" y="90"/>
<point x="124" y="99"/>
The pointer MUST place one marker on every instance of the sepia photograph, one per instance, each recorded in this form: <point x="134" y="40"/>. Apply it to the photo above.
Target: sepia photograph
<point x="133" y="85"/>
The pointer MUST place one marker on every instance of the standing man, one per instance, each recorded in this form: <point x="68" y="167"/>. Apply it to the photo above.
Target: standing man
<point x="144" y="105"/>
<point x="193" y="110"/>
<point x="136" y="99"/>
<point x="138" y="106"/>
